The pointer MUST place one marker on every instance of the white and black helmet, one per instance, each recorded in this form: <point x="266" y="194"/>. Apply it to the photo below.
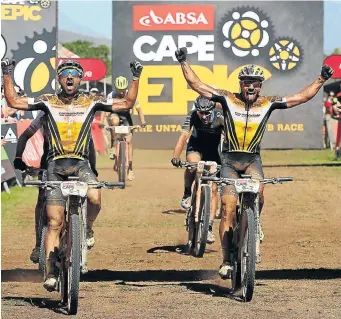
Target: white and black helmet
<point x="202" y="104"/>
<point x="251" y="71"/>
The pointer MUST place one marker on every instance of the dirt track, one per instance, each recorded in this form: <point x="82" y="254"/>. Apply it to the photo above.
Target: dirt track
<point x="137" y="270"/>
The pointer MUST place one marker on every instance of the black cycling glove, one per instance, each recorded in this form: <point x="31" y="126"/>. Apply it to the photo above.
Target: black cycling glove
<point x="176" y="162"/>
<point x="7" y="66"/>
<point x="181" y="55"/>
<point x="19" y="164"/>
<point x="326" y="72"/>
<point x="136" y="68"/>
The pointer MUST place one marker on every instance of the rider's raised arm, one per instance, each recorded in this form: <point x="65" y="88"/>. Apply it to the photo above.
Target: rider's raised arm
<point x="13" y="100"/>
<point x="311" y="90"/>
<point x="192" y="79"/>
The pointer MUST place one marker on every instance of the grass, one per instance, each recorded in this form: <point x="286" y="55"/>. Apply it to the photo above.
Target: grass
<point x="161" y="158"/>
<point x="16" y="202"/>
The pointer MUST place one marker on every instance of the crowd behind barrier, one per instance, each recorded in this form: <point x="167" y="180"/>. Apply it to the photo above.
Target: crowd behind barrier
<point x="14" y="122"/>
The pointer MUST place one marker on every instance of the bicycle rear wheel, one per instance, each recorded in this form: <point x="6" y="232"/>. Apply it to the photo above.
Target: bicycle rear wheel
<point x="122" y="171"/>
<point x="72" y="264"/>
<point x="248" y="256"/>
<point x="201" y="227"/>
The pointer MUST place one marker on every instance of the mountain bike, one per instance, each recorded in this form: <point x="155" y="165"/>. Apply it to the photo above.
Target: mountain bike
<point x="73" y="252"/>
<point x="42" y="223"/>
<point x="121" y="164"/>
<point x="198" y="215"/>
<point x="245" y="250"/>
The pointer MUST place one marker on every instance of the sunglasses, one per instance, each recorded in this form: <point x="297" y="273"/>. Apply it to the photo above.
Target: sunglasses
<point x="66" y="72"/>
<point x="207" y="113"/>
<point x="255" y="84"/>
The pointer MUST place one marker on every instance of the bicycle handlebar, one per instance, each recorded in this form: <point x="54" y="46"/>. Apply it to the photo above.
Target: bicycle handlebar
<point x="188" y="164"/>
<point x="231" y="181"/>
<point x="108" y="185"/>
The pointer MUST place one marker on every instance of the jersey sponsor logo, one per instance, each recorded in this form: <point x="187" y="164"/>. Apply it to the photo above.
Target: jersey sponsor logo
<point x="173" y="17"/>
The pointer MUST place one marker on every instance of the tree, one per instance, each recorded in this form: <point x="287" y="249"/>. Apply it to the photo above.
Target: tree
<point x="337" y="51"/>
<point x="86" y="49"/>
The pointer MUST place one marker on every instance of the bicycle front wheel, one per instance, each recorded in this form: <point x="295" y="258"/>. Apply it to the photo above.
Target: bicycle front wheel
<point x="248" y="255"/>
<point x="122" y="171"/>
<point x="72" y="263"/>
<point x="201" y="229"/>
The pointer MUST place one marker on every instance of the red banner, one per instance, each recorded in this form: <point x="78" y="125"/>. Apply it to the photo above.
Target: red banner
<point x="34" y="147"/>
<point x="94" y="69"/>
<point x="334" y="61"/>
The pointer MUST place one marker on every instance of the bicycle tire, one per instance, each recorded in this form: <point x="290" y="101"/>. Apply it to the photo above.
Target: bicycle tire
<point x="122" y="172"/>
<point x="201" y="227"/>
<point x="73" y="263"/>
<point x="42" y="230"/>
<point x="248" y="257"/>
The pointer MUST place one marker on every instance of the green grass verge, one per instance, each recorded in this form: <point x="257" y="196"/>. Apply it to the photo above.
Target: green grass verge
<point x="12" y="206"/>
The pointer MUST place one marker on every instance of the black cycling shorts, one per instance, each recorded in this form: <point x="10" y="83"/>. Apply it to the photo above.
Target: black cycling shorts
<point x="236" y="163"/>
<point x="60" y="170"/>
<point x="125" y="118"/>
<point x="206" y="151"/>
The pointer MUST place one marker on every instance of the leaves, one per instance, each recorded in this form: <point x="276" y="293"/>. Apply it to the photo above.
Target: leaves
<point x="86" y="49"/>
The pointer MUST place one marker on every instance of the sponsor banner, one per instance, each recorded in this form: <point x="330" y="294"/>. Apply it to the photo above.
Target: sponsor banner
<point x="242" y="33"/>
<point x="28" y="35"/>
<point x="334" y="61"/>
<point x="34" y="147"/>
<point x="7" y="171"/>
<point x="9" y="131"/>
<point x="173" y="17"/>
<point x="94" y="69"/>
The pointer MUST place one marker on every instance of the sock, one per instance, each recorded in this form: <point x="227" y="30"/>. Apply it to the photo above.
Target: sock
<point x="188" y="192"/>
<point x="130" y="165"/>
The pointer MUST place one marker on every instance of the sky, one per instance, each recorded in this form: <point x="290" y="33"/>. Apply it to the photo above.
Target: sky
<point x="93" y="18"/>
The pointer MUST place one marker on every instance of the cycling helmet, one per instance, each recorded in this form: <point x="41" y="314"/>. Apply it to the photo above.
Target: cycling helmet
<point x="121" y="83"/>
<point x="202" y="104"/>
<point x="70" y="64"/>
<point x="251" y="71"/>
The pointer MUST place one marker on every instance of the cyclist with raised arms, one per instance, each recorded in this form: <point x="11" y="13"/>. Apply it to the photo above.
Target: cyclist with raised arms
<point x="69" y="116"/>
<point x="123" y="118"/>
<point x="245" y="117"/>
<point x="202" y="128"/>
<point x="40" y="123"/>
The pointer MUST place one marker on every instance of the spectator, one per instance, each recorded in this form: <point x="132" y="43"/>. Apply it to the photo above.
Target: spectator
<point x="330" y="122"/>
<point x="94" y="92"/>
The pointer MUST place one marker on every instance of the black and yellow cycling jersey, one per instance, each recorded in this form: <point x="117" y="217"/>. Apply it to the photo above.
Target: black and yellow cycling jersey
<point x="245" y="125"/>
<point x="69" y="123"/>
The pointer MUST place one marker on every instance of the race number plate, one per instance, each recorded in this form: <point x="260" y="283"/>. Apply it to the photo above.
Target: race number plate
<point x="74" y="188"/>
<point x="247" y="185"/>
<point x="212" y="166"/>
<point x="200" y="167"/>
<point x="122" y="129"/>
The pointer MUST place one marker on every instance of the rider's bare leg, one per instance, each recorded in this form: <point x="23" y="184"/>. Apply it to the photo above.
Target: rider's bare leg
<point x="214" y="203"/>
<point x="129" y="140"/>
<point x="94" y="205"/>
<point x="55" y="217"/>
<point x="190" y="173"/>
<point x="227" y="222"/>
<point x="114" y="121"/>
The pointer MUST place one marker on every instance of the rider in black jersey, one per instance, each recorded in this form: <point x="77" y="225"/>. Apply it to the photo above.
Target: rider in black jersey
<point x="40" y="123"/>
<point x="245" y="117"/>
<point x="203" y="126"/>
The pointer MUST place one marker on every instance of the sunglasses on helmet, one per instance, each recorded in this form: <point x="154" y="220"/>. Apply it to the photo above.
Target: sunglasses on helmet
<point x="66" y="72"/>
<point x="255" y="83"/>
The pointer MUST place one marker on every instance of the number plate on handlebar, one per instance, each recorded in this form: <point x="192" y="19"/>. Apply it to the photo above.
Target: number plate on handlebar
<point x="122" y="129"/>
<point x="247" y="185"/>
<point x="200" y="167"/>
<point x="74" y="188"/>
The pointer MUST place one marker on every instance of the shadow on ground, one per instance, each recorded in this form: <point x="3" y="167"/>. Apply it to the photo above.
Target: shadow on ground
<point x="50" y="304"/>
<point x="35" y="276"/>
